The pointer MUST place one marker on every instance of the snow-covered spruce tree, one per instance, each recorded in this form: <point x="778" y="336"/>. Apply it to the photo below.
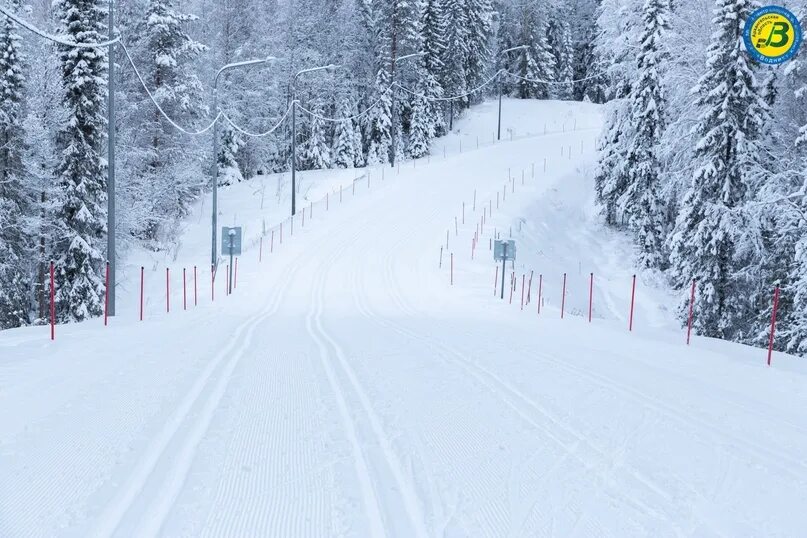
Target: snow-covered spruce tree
<point x="14" y="200"/>
<point x="710" y="228"/>
<point x="169" y="51"/>
<point x="379" y="134"/>
<point x="80" y="217"/>
<point x="229" y="171"/>
<point x="560" y="43"/>
<point x="316" y="153"/>
<point x="536" y="62"/>
<point x="647" y="108"/>
<point x="344" y="149"/>
<point x="421" y="130"/>
<point x="480" y="33"/>
<point x="611" y="177"/>
<point x="616" y="18"/>
<point x="454" y="79"/>
<point x="433" y="34"/>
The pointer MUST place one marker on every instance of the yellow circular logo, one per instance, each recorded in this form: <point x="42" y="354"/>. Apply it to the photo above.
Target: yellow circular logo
<point x="772" y="35"/>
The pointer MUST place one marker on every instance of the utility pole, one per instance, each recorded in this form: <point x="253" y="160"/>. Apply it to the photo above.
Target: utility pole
<point x="294" y="131"/>
<point x="110" y="180"/>
<point x="215" y="169"/>
<point x="499" y="84"/>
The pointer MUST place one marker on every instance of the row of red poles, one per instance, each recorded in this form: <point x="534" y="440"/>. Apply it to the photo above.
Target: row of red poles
<point x="213" y="270"/>
<point x="528" y="284"/>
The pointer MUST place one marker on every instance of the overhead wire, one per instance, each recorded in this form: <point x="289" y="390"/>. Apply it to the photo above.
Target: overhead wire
<point x="160" y="109"/>
<point x="453" y="97"/>
<point x="348" y="118"/>
<point x="257" y="135"/>
<point x="54" y="38"/>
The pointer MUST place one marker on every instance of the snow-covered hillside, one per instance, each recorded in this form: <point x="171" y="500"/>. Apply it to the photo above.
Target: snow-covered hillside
<point x="353" y="386"/>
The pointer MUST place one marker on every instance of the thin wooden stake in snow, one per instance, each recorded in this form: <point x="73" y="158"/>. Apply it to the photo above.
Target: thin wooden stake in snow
<point x="773" y="323"/>
<point x="260" y="251"/>
<point x="632" y="300"/>
<point x="167" y="291"/>
<point x="496" y="281"/>
<point x="441" y="258"/>
<point x="523" y="285"/>
<point x="540" y="291"/>
<point x="563" y="297"/>
<point x="184" y="290"/>
<point x="691" y="311"/>
<point x="142" y="281"/>
<point x="212" y="283"/>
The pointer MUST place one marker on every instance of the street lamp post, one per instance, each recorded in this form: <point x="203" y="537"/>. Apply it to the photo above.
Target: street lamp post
<point x="392" y="107"/>
<point x="499" y="84"/>
<point x="227" y="67"/>
<point x="294" y="132"/>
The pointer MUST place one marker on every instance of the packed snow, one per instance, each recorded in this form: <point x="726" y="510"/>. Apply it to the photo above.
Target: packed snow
<point x="348" y="388"/>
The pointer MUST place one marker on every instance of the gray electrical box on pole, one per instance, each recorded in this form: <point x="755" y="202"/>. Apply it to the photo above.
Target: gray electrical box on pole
<point x="230" y="246"/>
<point x="504" y="251"/>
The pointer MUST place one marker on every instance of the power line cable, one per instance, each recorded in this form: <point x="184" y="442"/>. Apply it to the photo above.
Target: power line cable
<point x="346" y="119"/>
<point x="159" y="108"/>
<point x="54" y="38"/>
<point x="257" y="135"/>
<point x="453" y="97"/>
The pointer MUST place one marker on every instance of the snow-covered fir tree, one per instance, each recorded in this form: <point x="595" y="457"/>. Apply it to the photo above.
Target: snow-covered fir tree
<point x="344" y="149"/>
<point x="560" y="43"/>
<point x="642" y="204"/>
<point x="316" y="153"/>
<point x="14" y="197"/>
<point x="479" y="20"/>
<point x="229" y="171"/>
<point x="711" y="228"/>
<point x="80" y="218"/>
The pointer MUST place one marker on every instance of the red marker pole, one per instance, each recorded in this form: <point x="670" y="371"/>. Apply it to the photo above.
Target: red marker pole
<point x="632" y="300"/>
<point x="540" y="291"/>
<point x="563" y="297"/>
<point x="167" y="292"/>
<point x="523" y="285"/>
<point x="512" y="285"/>
<point x="52" y="301"/>
<point x="106" y="295"/>
<point x="529" y="286"/>
<point x="496" y="281"/>
<point x="184" y="290"/>
<point x="195" y="289"/>
<point x="142" y="282"/>
<point x="691" y="311"/>
<point x="773" y="323"/>
<point x="590" y="296"/>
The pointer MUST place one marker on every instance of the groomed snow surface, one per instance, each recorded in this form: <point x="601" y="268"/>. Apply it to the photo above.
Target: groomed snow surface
<point x="346" y="388"/>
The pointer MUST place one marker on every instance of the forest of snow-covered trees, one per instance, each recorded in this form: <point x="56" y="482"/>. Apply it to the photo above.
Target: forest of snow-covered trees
<point x="704" y="157"/>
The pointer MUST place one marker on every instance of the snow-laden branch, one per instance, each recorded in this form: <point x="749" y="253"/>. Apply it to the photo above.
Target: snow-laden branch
<point x="61" y="40"/>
